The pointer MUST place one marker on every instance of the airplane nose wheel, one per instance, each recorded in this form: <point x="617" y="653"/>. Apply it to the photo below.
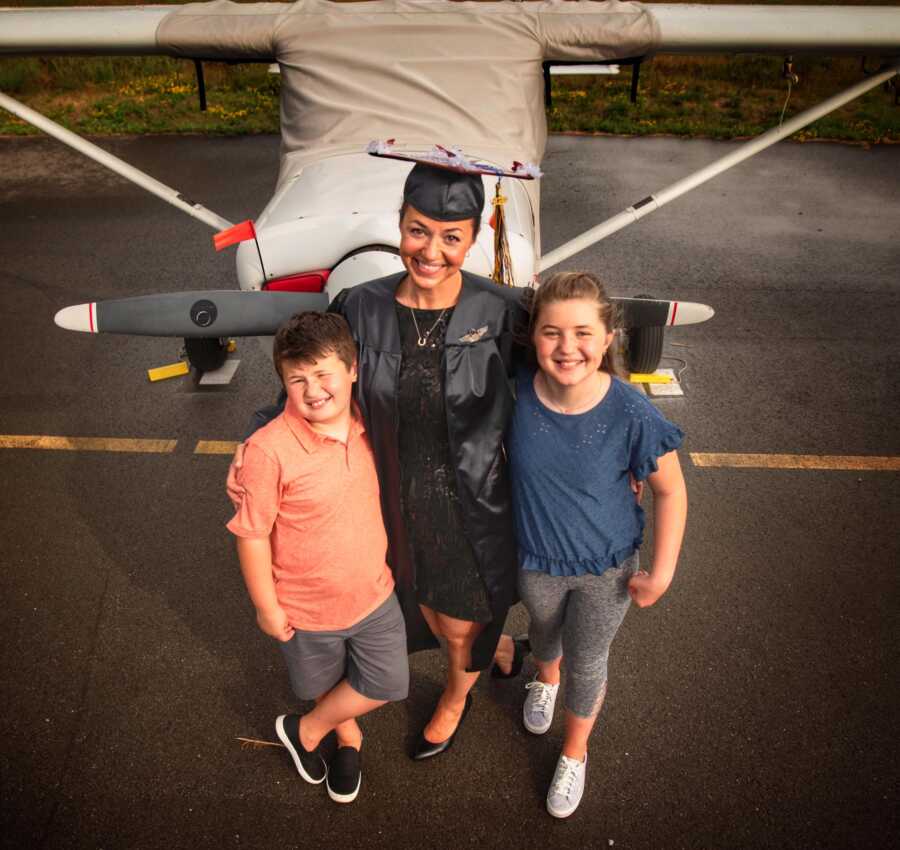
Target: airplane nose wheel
<point x="645" y="347"/>
<point x="206" y="354"/>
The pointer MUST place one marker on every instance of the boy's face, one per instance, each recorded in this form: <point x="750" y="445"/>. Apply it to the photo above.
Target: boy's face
<point x="319" y="391"/>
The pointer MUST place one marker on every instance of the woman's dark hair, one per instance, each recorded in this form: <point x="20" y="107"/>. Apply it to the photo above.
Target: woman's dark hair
<point x="310" y="336"/>
<point x="566" y="286"/>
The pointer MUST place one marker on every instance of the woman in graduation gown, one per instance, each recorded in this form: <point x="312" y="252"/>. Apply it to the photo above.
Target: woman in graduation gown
<point x="435" y="347"/>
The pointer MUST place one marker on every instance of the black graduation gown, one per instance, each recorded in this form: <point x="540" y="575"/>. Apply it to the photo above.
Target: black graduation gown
<point x="478" y="394"/>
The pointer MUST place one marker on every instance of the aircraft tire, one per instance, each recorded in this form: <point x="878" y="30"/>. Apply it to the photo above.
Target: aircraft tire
<point x="206" y="354"/>
<point x="645" y="345"/>
<point x="645" y="348"/>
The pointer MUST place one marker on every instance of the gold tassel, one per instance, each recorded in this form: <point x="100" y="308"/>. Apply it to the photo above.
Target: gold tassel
<point x="503" y="269"/>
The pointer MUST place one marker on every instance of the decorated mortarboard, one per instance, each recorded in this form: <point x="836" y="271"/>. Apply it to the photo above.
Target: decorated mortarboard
<point x="453" y="159"/>
<point x="446" y="185"/>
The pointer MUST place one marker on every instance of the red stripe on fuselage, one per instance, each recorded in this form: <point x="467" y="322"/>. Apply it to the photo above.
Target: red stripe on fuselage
<point x="91" y="316"/>
<point x="674" y="312"/>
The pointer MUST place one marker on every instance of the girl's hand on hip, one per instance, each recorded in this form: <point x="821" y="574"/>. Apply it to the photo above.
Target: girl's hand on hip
<point x="644" y="589"/>
<point x="637" y="487"/>
<point x="232" y="487"/>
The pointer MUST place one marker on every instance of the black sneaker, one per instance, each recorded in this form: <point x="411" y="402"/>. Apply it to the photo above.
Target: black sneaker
<point x="344" y="775"/>
<point x="308" y="762"/>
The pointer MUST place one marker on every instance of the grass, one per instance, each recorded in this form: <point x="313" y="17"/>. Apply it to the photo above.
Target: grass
<point x="716" y="97"/>
<point x="154" y="95"/>
<point x="723" y="98"/>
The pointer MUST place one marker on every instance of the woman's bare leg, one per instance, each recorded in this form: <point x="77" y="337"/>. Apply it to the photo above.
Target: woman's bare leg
<point x="504" y="653"/>
<point x="459" y="636"/>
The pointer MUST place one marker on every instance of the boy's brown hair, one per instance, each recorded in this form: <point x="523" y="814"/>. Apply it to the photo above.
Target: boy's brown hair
<point x="310" y="336"/>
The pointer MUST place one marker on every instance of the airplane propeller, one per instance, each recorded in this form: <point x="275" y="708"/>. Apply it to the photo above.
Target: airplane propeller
<point x="202" y="314"/>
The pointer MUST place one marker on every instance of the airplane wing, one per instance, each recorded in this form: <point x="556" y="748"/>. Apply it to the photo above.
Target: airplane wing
<point x="678" y="28"/>
<point x="353" y="72"/>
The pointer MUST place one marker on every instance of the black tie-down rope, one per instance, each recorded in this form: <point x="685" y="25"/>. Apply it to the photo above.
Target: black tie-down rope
<point x="201" y="84"/>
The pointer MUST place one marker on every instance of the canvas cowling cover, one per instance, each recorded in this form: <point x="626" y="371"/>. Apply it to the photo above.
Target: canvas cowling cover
<point x="420" y="71"/>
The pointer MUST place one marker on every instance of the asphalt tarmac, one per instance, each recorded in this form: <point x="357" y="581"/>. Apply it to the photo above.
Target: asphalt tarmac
<point x="754" y="706"/>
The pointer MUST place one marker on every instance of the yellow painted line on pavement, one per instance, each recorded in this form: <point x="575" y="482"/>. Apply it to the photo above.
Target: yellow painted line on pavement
<point x="868" y="463"/>
<point x="720" y="460"/>
<point x="86" y="444"/>
<point x="215" y="447"/>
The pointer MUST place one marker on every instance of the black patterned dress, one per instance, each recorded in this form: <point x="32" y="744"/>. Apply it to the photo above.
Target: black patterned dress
<point x="447" y="576"/>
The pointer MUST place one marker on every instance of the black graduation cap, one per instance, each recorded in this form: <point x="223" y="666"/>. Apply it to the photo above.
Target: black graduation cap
<point x="444" y="195"/>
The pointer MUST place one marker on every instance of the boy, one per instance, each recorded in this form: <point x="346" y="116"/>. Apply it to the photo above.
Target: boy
<point x="312" y="546"/>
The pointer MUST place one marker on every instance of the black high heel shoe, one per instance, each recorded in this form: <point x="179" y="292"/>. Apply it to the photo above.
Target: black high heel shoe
<point x="425" y="749"/>
<point x="521" y="648"/>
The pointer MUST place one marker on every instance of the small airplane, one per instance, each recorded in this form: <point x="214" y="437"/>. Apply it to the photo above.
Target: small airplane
<point x="416" y="72"/>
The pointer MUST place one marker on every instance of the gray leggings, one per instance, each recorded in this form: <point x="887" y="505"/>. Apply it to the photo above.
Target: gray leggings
<point x="577" y="617"/>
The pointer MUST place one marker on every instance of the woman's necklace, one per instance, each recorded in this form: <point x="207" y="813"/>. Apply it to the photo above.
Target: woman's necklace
<point x="545" y="397"/>
<point x="422" y="339"/>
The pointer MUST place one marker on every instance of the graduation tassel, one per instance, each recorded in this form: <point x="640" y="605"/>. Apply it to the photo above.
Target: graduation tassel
<point x="503" y="270"/>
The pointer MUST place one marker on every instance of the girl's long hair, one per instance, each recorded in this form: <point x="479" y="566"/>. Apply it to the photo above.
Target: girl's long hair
<point x="566" y="286"/>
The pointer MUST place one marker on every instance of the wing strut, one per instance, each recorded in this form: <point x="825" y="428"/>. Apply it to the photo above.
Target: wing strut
<point x="113" y="163"/>
<point x="653" y="202"/>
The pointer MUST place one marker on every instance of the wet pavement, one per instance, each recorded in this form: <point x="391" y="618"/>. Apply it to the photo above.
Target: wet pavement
<point x="755" y="706"/>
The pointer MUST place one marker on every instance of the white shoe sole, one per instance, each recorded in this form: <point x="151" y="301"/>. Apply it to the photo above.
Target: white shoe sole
<point x="536" y="730"/>
<point x="283" y="737"/>
<point x="561" y="813"/>
<point x="344" y="798"/>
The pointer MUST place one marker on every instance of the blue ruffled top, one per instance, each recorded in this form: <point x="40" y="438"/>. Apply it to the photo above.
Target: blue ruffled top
<point x="574" y="509"/>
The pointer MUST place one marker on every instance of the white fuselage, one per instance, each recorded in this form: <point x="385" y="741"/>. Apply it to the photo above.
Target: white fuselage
<point x="347" y="205"/>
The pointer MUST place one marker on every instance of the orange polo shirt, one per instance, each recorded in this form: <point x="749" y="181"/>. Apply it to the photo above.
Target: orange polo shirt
<point x="317" y="501"/>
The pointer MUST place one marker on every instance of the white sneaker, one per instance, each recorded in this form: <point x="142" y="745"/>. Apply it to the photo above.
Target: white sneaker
<point x="567" y="787"/>
<point x="537" y="713"/>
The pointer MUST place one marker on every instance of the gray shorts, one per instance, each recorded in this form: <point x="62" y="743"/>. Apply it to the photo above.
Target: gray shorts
<point x="371" y="655"/>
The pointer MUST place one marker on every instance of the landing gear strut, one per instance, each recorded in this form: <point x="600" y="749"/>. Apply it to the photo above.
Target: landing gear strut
<point x="206" y="354"/>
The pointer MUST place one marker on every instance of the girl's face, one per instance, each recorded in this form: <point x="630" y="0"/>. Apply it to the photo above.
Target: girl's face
<point x="433" y="251"/>
<point x="570" y="340"/>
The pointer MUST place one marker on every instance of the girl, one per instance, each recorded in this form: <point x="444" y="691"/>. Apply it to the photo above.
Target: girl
<point x="577" y="435"/>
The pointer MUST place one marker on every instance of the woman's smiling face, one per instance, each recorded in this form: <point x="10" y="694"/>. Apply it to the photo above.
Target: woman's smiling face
<point x="433" y="251"/>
